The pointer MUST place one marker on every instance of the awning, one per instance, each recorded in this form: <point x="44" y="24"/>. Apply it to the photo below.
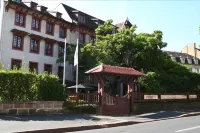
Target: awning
<point x="80" y="86"/>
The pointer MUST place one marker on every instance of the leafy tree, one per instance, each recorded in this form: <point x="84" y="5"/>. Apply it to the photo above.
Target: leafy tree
<point x="141" y="51"/>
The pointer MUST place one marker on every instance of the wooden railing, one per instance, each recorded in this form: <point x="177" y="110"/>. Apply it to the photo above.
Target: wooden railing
<point x="126" y="96"/>
<point x="109" y="100"/>
<point x="142" y="97"/>
<point x="84" y="98"/>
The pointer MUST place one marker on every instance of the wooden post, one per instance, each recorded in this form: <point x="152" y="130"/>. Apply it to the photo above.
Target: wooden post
<point x="133" y="88"/>
<point x="89" y="98"/>
<point x="101" y="92"/>
<point x="130" y="95"/>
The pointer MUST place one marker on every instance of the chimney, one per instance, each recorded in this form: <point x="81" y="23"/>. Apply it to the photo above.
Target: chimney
<point x="34" y="5"/>
<point x="58" y="14"/>
<point x="187" y="49"/>
<point x="43" y="8"/>
<point x="195" y="51"/>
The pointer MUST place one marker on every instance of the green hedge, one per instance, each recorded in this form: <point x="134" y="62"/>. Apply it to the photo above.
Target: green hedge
<point x="16" y="85"/>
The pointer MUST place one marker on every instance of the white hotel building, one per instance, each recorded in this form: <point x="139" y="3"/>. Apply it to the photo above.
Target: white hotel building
<point x="31" y="33"/>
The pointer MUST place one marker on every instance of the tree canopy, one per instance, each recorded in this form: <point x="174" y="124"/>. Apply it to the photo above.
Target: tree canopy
<point x="142" y="51"/>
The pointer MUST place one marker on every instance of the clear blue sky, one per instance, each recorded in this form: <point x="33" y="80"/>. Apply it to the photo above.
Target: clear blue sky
<point x="178" y="20"/>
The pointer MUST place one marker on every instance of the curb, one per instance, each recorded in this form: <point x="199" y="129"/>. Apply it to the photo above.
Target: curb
<point x="190" y="114"/>
<point x="92" y="127"/>
<point x="81" y="128"/>
<point x="181" y="116"/>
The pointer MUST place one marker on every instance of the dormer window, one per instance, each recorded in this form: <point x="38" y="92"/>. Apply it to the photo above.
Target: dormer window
<point x="18" y="1"/>
<point x="81" y="18"/>
<point x="58" y="15"/>
<point x="182" y="60"/>
<point x="189" y="61"/>
<point x="173" y="58"/>
<point x="195" y="61"/>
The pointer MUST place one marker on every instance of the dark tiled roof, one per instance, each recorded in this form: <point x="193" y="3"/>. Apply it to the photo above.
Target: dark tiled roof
<point x="198" y="49"/>
<point x="88" y="19"/>
<point x="115" y="70"/>
<point x="21" y="4"/>
<point x="121" y="25"/>
<point x="185" y="56"/>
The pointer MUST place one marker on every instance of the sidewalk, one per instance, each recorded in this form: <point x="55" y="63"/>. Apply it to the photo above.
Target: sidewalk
<point x="10" y="124"/>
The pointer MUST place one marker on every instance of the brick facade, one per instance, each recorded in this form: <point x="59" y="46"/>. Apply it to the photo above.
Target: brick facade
<point x="33" y="107"/>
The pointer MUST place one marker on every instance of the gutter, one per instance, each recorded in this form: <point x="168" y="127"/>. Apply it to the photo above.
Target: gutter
<point x="2" y="26"/>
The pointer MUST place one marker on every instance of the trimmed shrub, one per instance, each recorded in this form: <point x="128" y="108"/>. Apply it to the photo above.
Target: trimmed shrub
<point x="17" y="85"/>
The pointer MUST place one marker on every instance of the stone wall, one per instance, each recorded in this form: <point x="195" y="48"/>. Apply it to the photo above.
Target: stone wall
<point x="153" y="106"/>
<point x="32" y="107"/>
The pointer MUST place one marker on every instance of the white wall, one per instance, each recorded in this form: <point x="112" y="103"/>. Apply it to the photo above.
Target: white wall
<point x="8" y="53"/>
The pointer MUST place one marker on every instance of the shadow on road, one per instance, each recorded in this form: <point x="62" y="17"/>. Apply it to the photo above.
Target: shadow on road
<point x="55" y="117"/>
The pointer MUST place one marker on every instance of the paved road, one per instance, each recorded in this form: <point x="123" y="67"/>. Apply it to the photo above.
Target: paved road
<point x="10" y="124"/>
<point x="179" y="125"/>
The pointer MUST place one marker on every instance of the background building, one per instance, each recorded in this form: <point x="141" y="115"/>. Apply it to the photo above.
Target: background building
<point x="191" y="49"/>
<point x="192" y="62"/>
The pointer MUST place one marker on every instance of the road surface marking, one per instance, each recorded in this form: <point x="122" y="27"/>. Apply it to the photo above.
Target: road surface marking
<point x="186" y="129"/>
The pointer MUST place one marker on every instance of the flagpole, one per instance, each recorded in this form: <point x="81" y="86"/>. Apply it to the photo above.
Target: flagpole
<point x="64" y="61"/>
<point x="77" y="68"/>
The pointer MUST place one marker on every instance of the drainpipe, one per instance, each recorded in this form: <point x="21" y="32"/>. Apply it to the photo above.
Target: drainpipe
<point x="2" y="26"/>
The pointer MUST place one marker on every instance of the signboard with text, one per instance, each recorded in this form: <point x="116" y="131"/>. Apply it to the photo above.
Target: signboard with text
<point x="173" y="97"/>
<point x="192" y="96"/>
<point x="149" y="97"/>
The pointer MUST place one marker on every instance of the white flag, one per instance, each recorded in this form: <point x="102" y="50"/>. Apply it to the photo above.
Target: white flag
<point x="76" y="55"/>
<point x="65" y="48"/>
